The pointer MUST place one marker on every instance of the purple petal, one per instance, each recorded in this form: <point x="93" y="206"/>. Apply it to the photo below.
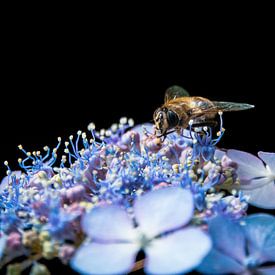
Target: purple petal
<point x="269" y="159"/>
<point x="270" y="270"/>
<point x="96" y="258"/>
<point x="263" y="197"/>
<point x="260" y="231"/>
<point x="109" y="223"/>
<point x="249" y="166"/>
<point x="218" y="263"/>
<point x="228" y="237"/>
<point x="178" y="252"/>
<point x="163" y="210"/>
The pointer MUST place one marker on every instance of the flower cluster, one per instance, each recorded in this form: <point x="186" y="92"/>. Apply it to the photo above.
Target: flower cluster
<point x="116" y="192"/>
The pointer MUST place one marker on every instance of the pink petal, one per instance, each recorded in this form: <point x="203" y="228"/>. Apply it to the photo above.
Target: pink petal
<point x="109" y="223"/>
<point x="178" y="252"/>
<point x="163" y="210"/>
<point x="96" y="258"/>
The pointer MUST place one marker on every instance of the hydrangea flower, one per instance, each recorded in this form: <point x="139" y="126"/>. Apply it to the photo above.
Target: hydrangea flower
<point x="161" y="217"/>
<point x="257" y="179"/>
<point x="241" y="247"/>
<point x="145" y="193"/>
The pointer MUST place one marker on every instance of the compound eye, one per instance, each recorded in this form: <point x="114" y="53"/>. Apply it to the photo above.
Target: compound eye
<point x="173" y="119"/>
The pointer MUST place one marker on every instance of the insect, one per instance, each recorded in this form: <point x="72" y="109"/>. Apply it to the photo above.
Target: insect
<point x="179" y="110"/>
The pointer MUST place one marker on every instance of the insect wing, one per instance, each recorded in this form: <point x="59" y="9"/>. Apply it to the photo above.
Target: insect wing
<point x="231" y="106"/>
<point x="210" y="107"/>
<point x="175" y="92"/>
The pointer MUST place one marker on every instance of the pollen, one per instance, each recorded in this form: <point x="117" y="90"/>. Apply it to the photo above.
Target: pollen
<point x="123" y="120"/>
<point x="191" y="122"/>
<point x="91" y="126"/>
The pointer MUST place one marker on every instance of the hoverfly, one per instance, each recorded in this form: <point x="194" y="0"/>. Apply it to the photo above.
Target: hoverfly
<point x="179" y="109"/>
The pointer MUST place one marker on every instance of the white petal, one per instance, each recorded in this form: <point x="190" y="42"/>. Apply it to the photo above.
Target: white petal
<point x="249" y="166"/>
<point x="110" y="223"/>
<point x="269" y="159"/>
<point x="96" y="258"/>
<point x="263" y="197"/>
<point x="254" y="183"/>
<point x="178" y="252"/>
<point x="163" y="210"/>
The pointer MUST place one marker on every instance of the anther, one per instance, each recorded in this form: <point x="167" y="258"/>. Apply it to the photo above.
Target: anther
<point x="131" y="122"/>
<point x="91" y="126"/>
<point x="123" y="120"/>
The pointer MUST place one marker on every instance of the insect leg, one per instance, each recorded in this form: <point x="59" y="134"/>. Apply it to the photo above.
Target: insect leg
<point x="209" y="123"/>
<point x="165" y="134"/>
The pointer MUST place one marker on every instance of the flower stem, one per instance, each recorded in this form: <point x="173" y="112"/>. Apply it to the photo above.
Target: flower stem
<point x="138" y="265"/>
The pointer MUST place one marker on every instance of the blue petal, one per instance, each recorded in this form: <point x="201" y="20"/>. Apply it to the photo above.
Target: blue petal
<point x="208" y="152"/>
<point x="266" y="270"/>
<point x="269" y="159"/>
<point x="178" y="252"/>
<point x="95" y="258"/>
<point x="218" y="263"/>
<point x="109" y="223"/>
<point x="228" y="237"/>
<point x="163" y="210"/>
<point x="260" y="231"/>
<point x="8" y="179"/>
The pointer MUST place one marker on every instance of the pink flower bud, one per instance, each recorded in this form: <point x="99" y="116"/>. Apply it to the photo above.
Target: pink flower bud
<point x="66" y="251"/>
<point x="14" y="241"/>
